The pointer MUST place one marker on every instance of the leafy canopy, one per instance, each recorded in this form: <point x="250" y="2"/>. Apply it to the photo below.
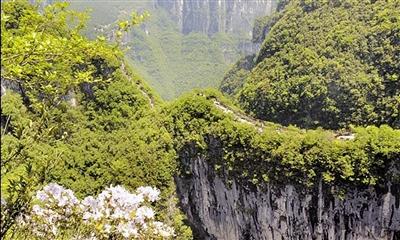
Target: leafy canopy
<point x="327" y="63"/>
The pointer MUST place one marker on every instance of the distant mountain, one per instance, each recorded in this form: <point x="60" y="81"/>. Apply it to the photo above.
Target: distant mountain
<point x="210" y="16"/>
<point x="184" y="44"/>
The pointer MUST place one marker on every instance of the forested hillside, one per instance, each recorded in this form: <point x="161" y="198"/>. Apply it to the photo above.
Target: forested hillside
<point x="172" y="59"/>
<point x="325" y="63"/>
<point x="273" y="182"/>
<point x="88" y="149"/>
<point x="72" y="112"/>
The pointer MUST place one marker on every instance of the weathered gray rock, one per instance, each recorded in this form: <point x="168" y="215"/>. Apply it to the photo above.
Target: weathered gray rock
<point x="7" y="85"/>
<point x="217" y="211"/>
<point x="212" y="16"/>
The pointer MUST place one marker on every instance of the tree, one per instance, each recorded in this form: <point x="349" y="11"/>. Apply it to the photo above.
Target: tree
<point x="45" y="62"/>
<point x="328" y="63"/>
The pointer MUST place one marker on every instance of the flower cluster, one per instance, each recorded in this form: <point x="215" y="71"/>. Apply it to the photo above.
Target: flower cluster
<point x="120" y="212"/>
<point x="56" y="208"/>
<point x="115" y="213"/>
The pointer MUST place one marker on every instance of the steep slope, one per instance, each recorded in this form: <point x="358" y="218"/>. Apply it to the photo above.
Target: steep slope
<point x="234" y="79"/>
<point x="178" y="48"/>
<point x="328" y="63"/>
<point x="244" y="179"/>
<point x="75" y="113"/>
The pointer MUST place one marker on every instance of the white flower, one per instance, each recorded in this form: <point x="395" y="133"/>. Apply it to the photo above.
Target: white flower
<point x="149" y="192"/>
<point x="42" y="196"/>
<point x="37" y="210"/>
<point x="103" y="195"/>
<point x="116" y="209"/>
<point x="134" y="200"/>
<point x="118" y="213"/>
<point x="144" y="213"/>
<point x="54" y="230"/>
<point x="62" y="201"/>
<point x="117" y="191"/>
<point x="86" y="216"/>
<point x="107" y="228"/>
<point x="89" y="202"/>
<point x="127" y="230"/>
<point x="54" y="189"/>
<point x="122" y="198"/>
<point x="71" y="196"/>
<point x="162" y="230"/>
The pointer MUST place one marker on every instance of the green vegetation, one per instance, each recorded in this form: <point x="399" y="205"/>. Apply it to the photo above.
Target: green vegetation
<point x="328" y="63"/>
<point x="280" y="154"/>
<point x="235" y="77"/>
<point x="173" y="63"/>
<point x="176" y="63"/>
<point x="74" y="114"/>
<point x="262" y="26"/>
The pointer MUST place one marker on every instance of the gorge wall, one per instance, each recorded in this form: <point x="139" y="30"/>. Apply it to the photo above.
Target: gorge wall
<point x="184" y="44"/>
<point x="218" y="211"/>
<point x="212" y="16"/>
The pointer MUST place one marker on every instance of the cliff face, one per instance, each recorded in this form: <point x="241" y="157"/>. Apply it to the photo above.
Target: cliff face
<point x="218" y="211"/>
<point x="212" y="16"/>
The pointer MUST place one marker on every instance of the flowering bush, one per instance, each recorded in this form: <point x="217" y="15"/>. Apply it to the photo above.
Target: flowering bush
<point x="114" y="214"/>
<point x="57" y="208"/>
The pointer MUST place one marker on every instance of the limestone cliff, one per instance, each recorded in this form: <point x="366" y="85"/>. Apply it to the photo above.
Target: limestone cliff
<point x="276" y="212"/>
<point x="212" y="16"/>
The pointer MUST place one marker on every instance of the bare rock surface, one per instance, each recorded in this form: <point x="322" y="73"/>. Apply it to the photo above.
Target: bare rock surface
<point x="212" y="16"/>
<point x="271" y="212"/>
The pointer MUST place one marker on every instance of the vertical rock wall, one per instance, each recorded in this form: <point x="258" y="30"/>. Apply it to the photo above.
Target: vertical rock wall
<point x="212" y="16"/>
<point x="218" y="211"/>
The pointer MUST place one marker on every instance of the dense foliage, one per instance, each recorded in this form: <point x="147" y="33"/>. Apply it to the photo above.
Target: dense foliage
<point x="277" y="154"/>
<point x="235" y="77"/>
<point x="328" y="63"/>
<point x="73" y="112"/>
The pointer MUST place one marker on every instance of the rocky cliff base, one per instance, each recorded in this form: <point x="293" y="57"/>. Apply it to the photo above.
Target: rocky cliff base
<point x="271" y="212"/>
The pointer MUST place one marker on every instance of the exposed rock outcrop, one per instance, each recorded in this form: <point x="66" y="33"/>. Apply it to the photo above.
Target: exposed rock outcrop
<point x="212" y="16"/>
<point x="272" y="212"/>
